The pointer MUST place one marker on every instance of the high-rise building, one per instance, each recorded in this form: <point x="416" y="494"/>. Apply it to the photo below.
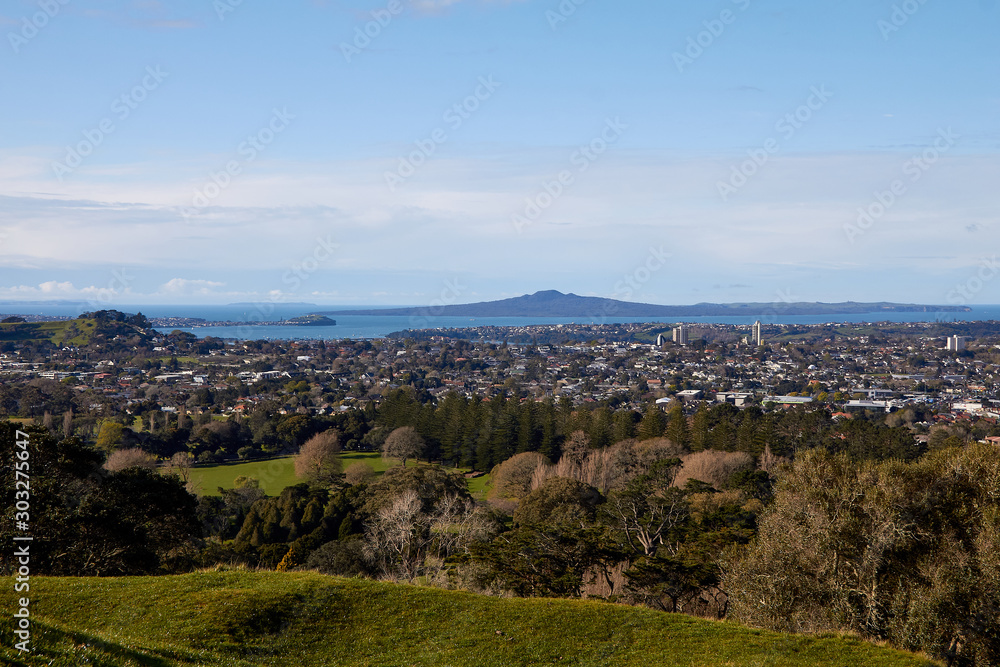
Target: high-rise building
<point x="681" y="335"/>
<point x="757" y="338"/>
<point x="956" y="343"/>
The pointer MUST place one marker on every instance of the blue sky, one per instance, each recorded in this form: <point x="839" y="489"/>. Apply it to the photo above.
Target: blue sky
<point x="673" y="152"/>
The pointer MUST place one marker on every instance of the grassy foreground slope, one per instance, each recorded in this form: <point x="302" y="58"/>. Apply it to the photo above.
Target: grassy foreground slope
<point x="270" y="618"/>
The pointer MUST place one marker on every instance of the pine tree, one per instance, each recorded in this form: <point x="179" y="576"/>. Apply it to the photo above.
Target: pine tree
<point x="677" y="426"/>
<point x="653" y="422"/>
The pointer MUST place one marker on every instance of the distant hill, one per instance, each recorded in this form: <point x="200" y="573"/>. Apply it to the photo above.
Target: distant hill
<point x="551" y="303"/>
<point x="244" y="619"/>
<point x="98" y="326"/>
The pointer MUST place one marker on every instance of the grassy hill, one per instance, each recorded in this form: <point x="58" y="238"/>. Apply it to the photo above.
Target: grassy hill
<point x="267" y="618"/>
<point x="66" y="332"/>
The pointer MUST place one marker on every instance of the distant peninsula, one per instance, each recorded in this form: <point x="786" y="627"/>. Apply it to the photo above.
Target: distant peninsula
<point x="551" y="303"/>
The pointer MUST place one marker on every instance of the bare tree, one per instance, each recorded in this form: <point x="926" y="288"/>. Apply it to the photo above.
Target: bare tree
<point x="318" y="461"/>
<point x="403" y="537"/>
<point x="180" y="464"/>
<point x="403" y="443"/>
<point x="68" y="423"/>
<point x="576" y="447"/>
<point x="132" y="457"/>
<point x="359" y="472"/>
<point x="512" y="478"/>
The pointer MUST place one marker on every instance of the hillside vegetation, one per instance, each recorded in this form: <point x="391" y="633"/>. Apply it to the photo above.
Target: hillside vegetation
<point x="66" y="332"/>
<point x="265" y="618"/>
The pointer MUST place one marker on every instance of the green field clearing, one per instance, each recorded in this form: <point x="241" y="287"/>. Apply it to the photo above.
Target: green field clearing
<point x="276" y="474"/>
<point x="239" y="619"/>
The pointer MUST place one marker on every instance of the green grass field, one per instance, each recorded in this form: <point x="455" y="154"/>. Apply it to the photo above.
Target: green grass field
<point x="276" y="474"/>
<point x="64" y="332"/>
<point x="241" y="619"/>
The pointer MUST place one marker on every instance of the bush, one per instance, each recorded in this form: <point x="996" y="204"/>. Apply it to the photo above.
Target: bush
<point x="341" y="558"/>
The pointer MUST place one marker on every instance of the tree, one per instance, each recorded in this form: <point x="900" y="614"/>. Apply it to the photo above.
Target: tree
<point x="180" y="464"/>
<point x="318" y="461"/>
<point x="512" y="479"/>
<point x="110" y="436"/>
<point x="653" y="422"/>
<point x="677" y="426"/>
<point x="133" y="457"/>
<point x="404" y="532"/>
<point x="648" y="509"/>
<point x="893" y="551"/>
<point x="359" y="472"/>
<point x="577" y="447"/>
<point x="403" y="443"/>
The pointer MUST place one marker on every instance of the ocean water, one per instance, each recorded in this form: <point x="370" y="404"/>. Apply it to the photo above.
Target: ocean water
<point x="373" y="326"/>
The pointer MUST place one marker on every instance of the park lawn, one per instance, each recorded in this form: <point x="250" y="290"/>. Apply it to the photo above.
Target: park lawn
<point x="277" y="473"/>
<point x="274" y="475"/>
<point x="241" y="618"/>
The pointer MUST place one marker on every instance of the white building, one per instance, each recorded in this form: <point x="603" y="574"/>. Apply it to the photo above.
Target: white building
<point x="681" y="334"/>
<point x="956" y="343"/>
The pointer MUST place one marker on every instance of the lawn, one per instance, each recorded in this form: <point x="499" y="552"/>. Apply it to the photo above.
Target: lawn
<point x="239" y="619"/>
<point x="275" y="474"/>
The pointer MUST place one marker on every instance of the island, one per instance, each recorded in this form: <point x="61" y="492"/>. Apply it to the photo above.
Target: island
<point x="314" y="320"/>
<point x="551" y="303"/>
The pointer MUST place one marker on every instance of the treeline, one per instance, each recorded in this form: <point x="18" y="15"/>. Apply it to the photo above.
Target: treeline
<point x="830" y="526"/>
<point x="479" y="434"/>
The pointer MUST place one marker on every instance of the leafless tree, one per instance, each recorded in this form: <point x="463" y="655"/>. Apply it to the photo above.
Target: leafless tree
<point x="318" y="460"/>
<point x="180" y="464"/>
<point x="132" y="457"/>
<point x="359" y="472"/>
<point x="403" y="443"/>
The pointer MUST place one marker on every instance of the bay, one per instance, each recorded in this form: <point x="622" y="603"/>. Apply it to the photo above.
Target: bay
<point x="374" y="326"/>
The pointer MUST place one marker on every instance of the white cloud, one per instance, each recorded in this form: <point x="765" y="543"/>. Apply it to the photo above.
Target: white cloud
<point x="454" y="217"/>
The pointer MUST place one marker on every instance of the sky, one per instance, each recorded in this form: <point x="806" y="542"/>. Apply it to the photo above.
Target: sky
<point x="415" y="152"/>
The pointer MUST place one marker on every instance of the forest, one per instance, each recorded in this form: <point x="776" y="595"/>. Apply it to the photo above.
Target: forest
<point x="787" y="519"/>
